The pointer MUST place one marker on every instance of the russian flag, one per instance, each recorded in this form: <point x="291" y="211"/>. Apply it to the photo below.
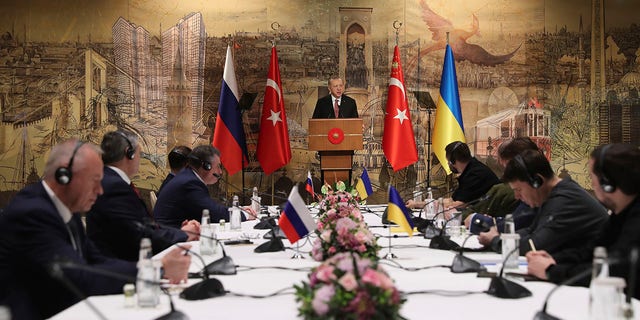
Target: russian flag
<point x="448" y="126"/>
<point x="397" y="212"/>
<point x="296" y="221"/>
<point x="364" y="185"/>
<point x="309" y="185"/>
<point x="228" y="135"/>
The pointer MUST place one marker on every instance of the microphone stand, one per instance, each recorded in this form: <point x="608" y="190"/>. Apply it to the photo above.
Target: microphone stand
<point x="205" y="289"/>
<point x="504" y="288"/>
<point x="274" y="244"/>
<point x="462" y="264"/>
<point x="442" y="241"/>
<point x="56" y="271"/>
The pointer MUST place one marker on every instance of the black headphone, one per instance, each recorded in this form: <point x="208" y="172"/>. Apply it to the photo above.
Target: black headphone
<point x="605" y="182"/>
<point x="455" y="146"/>
<point x="205" y="164"/>
<point x="178" y="152"/>
<point x="534" y="180"/>
<point x="130" y="152"/>
<point x="64" y="174"/>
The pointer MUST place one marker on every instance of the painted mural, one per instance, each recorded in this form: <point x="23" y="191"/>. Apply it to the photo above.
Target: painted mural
<point x="562" y="72"/>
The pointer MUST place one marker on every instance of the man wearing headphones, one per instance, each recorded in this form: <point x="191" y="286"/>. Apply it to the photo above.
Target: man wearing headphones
<point x="566" y="216"/>
<point x="178" y="159"/>
<point x="186" y="195"/>
<point x="615" y="173"/>
<point x="120" y="219"/>
<point x="475" y="177"/>
<point x="41" y="229"/>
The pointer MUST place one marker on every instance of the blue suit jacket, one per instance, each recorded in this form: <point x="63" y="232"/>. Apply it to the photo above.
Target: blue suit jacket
<point x="116" y="222"/>
<point x="32" y="236"/>
<point x="184" y="197"/>
<point x="165" y="181"/>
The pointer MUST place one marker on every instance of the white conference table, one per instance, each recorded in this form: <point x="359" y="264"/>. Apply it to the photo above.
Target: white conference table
<point x="566" y="303"/>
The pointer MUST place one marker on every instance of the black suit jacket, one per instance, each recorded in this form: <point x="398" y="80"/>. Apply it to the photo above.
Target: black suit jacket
<point x="116" y="222"/>
<point x="184" y="197"/>
<point x="32" y="236"/>
<point x="165" y="181"/>
<point x="324" y="108"/>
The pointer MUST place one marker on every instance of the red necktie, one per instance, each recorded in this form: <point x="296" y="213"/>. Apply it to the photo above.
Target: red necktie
<point x="336" y="108"/>
<point x="133" y="186"/>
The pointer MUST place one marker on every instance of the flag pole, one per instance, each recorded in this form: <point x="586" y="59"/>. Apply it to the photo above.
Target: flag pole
<point x="389" y="254"/>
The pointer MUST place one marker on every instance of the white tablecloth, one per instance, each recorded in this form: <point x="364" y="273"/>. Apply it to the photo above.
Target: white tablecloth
<point x="566" y="303"/>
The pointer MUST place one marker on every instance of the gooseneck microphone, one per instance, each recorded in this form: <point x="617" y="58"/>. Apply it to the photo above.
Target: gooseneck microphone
<point x="443" y="242"/>
<point x="205" y="289"/>
<point x="462" y="264"/>
<point x="502" y="287"/>
<point x="56" y="271"/>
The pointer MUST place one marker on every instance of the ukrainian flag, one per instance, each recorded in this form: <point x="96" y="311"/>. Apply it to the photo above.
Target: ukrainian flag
<point x="398" y="213"/>
<point x="448" y="125"/>
<point x="364" y="185"/>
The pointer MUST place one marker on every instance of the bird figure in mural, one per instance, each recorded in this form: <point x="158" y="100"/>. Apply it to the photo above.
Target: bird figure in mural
<point x="439" y="26"/>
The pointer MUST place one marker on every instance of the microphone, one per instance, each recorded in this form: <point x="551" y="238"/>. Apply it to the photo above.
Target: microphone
<point x="222" y="266"/>
<point x="462" y="264"/>
<point x="56" y="271"/>
<point x="273" y="245"/>
<point x="501" y="287"/>
<point x="205" y="289"/>
<point x="443" y="242"/>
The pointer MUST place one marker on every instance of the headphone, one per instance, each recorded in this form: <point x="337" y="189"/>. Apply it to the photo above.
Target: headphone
<point x="605" y="182"/>
<point x="535" y="181"/>
<point x="178" y="152"/>
<point x="64" y="174"/>
<point x="130" y="152"/>
<point x="455" y="146"/>
<point x="206" y="165"/>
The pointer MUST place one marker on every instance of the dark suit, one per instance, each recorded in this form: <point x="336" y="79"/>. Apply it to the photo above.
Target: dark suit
<point x="184" y="197"/>
<point x="165" y="181"/>
<point x="116" y="221"/>
<point x="32" y="236"/>
<point x="324" y="108"/>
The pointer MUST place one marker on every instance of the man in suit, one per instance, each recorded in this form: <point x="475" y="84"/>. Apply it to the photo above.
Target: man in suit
<point x="41" y="225"/>
<point x="178" y="159"/>
<point x="120" y="219"/>
<point x="186" y="195"/>
<point x="566" y="216"/>
<point x="336" y="104"/>
<point x="615" y="172"/>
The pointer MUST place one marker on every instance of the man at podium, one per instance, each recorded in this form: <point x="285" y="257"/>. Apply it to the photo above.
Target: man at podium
<point x="335" y="104"/>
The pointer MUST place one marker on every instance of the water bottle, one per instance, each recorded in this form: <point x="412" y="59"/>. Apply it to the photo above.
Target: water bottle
<point x="600" y="263"/>
<point x="255" y="201"/>
<point x="431" y="206"/>
<point x="148" y="279"/>
<point x="206" y="235"/>
<point x="235" y="214"/>
<point x="510" y="250"/>
<point x="607" y="298"/>
<point x="145" y="249"/>
<point x="417" y="195"/>
<point x="509" y="225"/>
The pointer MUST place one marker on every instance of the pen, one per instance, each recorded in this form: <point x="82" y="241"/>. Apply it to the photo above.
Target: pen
<point x="533" y="247"/>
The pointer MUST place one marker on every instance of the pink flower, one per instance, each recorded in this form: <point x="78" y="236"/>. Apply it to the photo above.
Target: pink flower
<point x="325" y="273"/>
<point x="332" y="250"/>
<point x="348" y="281"/>
<point x="321" y="299"/>
<point x="371" y="276"/>
<point x="326" y="235"/>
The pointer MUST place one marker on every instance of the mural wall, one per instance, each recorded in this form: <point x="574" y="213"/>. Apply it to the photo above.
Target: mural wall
<point x="562" y="72"/>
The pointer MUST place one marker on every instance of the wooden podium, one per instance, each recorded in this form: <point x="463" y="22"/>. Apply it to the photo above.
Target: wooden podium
<point x="335" y="140"/>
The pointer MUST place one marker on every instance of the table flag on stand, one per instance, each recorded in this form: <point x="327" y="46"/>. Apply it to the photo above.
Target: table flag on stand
<point x="296" y="220"/>
<point x="398" y="212"/>
<point x="364" y="185"/>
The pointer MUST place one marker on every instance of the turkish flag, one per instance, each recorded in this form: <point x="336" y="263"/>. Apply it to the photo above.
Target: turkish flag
<point x="398" y="141"/>
<point x="274" y="150"/>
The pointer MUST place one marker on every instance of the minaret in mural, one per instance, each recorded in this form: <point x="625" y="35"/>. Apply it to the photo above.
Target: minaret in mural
<point x="179" y="109"/>
<point x="598" y="76"/>
<point x="582" y="79"/>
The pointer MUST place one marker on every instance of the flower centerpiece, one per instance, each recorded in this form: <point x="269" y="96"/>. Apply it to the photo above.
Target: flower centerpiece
<point x="347" y="286"/>
<point x="341" y="228"/>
